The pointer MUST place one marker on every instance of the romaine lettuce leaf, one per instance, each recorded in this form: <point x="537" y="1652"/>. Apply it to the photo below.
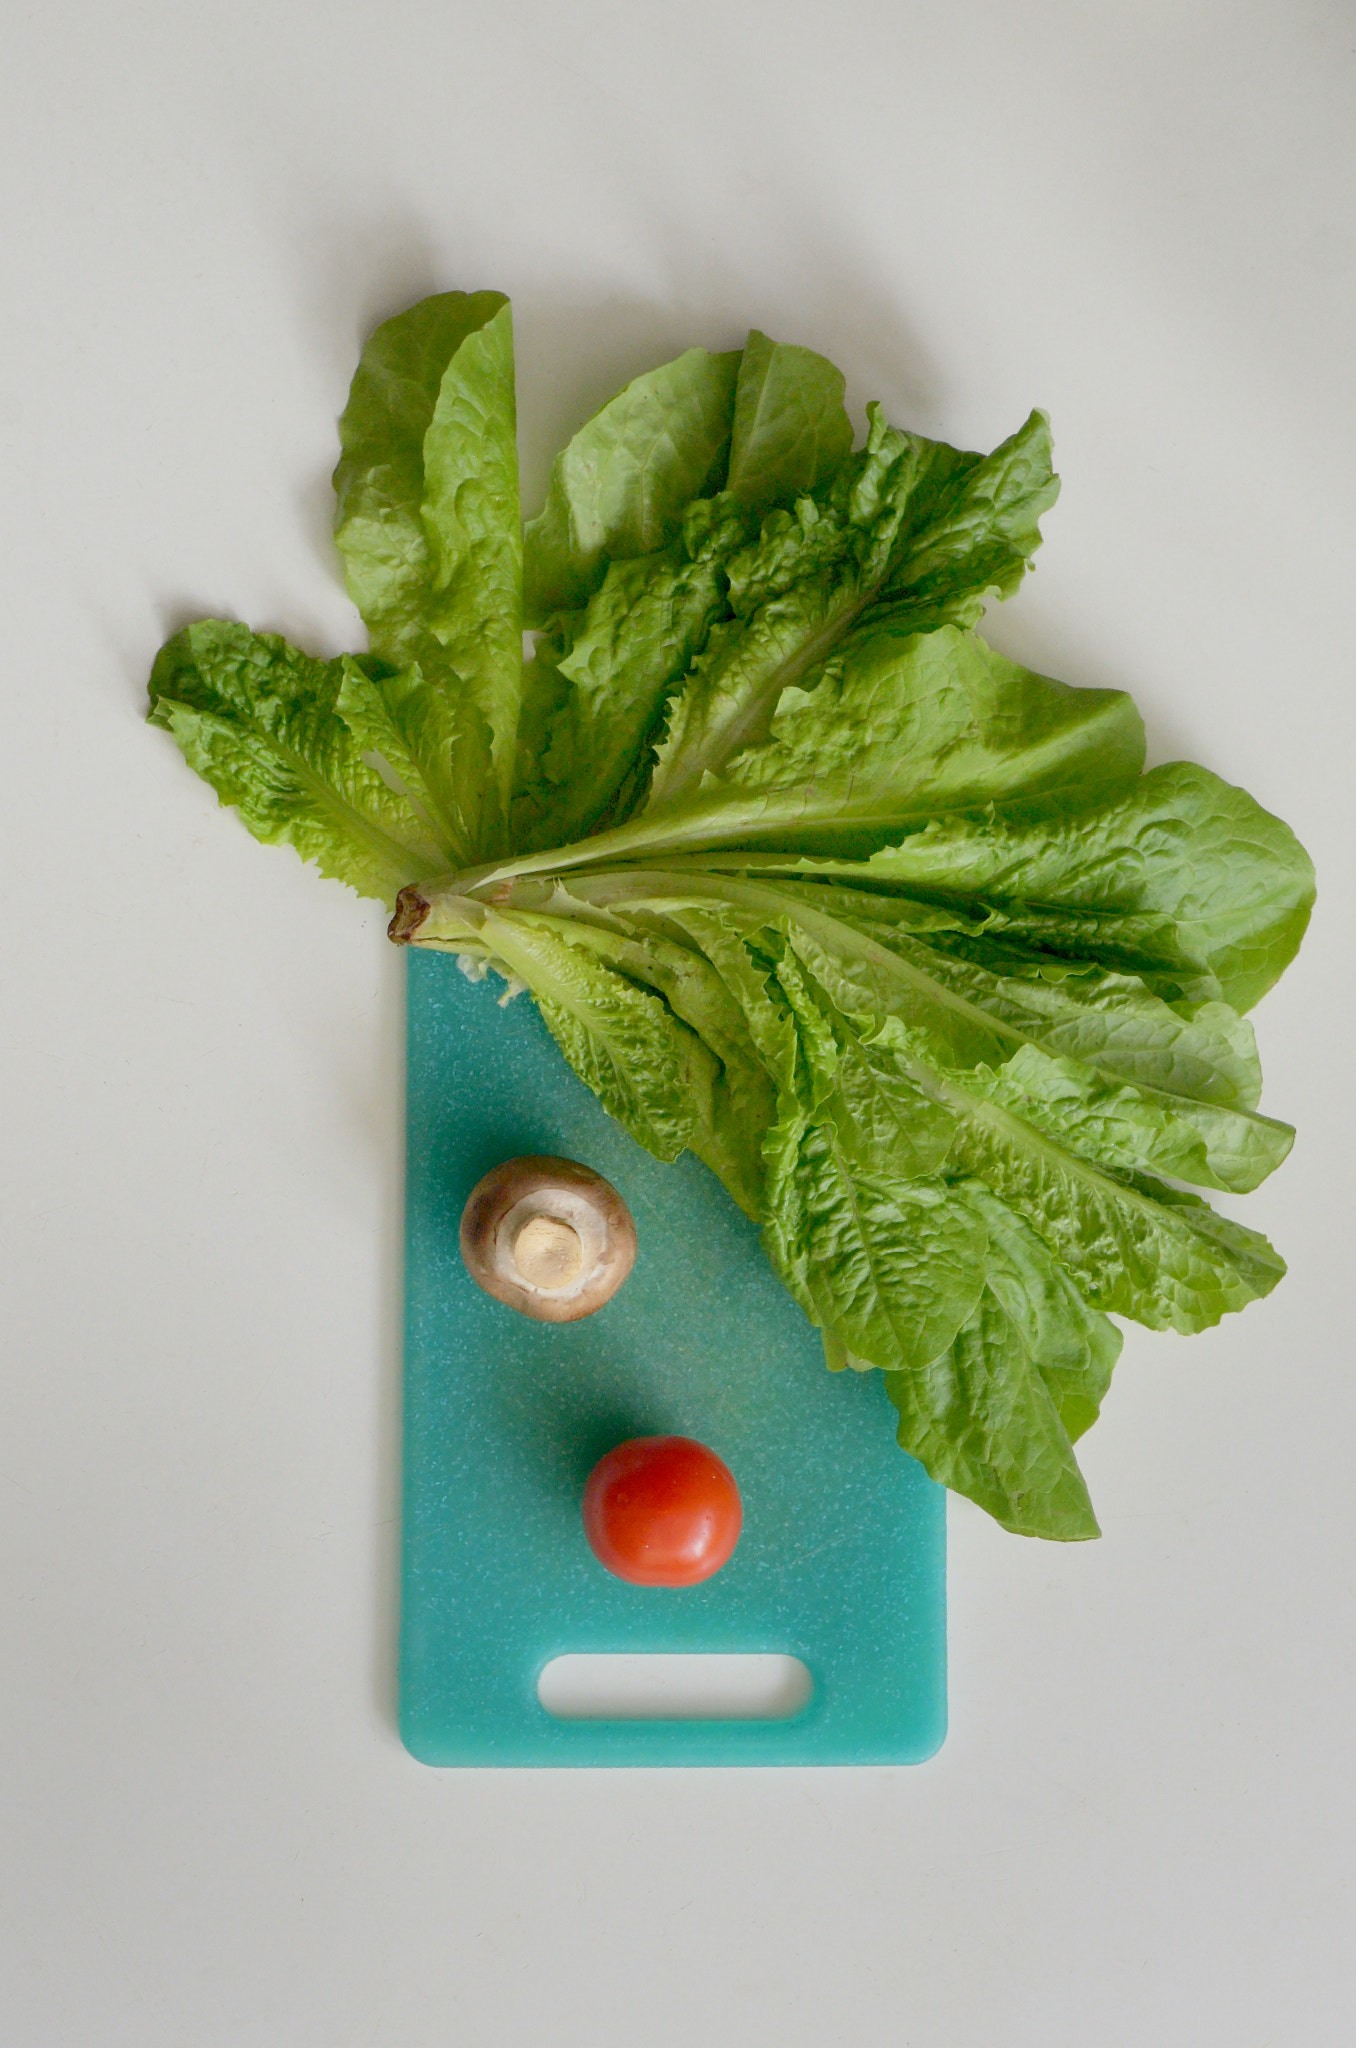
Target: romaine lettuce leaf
<point x="599" y="681"/>
<point x="425" y="742"/>
<point x="1129" y="1244"/>
<point x="1234" y="881"/>
<point x="736" y="1107"/>
<point x="1110" y="1020"/>
<point x="470" y="511"/>
<point x="892" y="933"/>
<point x="919" y="723"/>
<point x="766" y="421"/>
<point x="646" y="1067"/>
<point x="380" y="480"/>
<point x="1176" y="874"/>
<point x="995" y="1416"/>
<point x="898" y="730"/>
<point x="260" y="721"/>
<point x="429" y="528"/>
<point x="1137" y="1127"/>
<point x="910" y="534"/>
<point x="790" y="430"/>
<point x="893" y="1267"/>
<point x="1129" y="1124"/>
<point x="621" y="487"/>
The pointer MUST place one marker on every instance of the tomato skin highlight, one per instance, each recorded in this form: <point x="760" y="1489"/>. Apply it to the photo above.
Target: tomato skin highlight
<point x="662" y="1511"/>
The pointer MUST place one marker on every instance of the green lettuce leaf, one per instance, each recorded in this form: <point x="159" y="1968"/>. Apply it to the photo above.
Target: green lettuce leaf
<point x="1233" y="882"/>
<point x="380" y="480"/>
<point x="734" y="1101"/>
<point x="892" y="1266"/>
<point x="471" y="516"/>
<point x="991" y="1355"/>
<point x="425" y="744"/>
<point x="260" y="721"/>
<point x="924" y="723"/>
<point x="598" y="684"/>
<point x="621" y="487"/>
<point x="1168" y="1095"/>
<point x="1135" y="1127"/>
<point x="1126" y="1122"/>
<point x="1175" y="877"/>
<point x="1074" y="1347"/>
<point x="428" y="525"/>
<point x="902" y="727"/>
<point x="891" y="932"/>
<point x="598" y="687"/>
<point x="910" y="534"/>
<point x="791" y="432"/>
<point x="1131" y="1245"/>
<point x="995" y="1416"/>
<point x="648" y="1070"/>
<point x="1112" y="1021"/>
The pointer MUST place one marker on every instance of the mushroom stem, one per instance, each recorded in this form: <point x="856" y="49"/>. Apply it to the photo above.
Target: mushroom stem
<point x="547" y="1252"/>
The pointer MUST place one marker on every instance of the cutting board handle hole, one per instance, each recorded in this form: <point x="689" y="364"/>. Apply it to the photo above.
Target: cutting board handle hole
<point x="633" y="1686"/>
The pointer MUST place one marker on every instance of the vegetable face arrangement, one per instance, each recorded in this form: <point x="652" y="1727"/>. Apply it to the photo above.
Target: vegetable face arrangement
<point x="891" y="932"/>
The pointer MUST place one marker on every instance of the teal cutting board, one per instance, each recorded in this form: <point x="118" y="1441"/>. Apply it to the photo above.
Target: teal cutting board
<point x="842" y="1557"/>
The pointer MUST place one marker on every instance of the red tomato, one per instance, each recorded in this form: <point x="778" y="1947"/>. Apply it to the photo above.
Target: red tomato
<point x="662" y="1511"/>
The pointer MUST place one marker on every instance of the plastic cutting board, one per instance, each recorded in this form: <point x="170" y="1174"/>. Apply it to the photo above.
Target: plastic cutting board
<point x="842" y="1557"/>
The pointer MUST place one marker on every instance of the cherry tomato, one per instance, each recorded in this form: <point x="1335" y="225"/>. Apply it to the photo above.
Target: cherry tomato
<point x="662" y="1511"/>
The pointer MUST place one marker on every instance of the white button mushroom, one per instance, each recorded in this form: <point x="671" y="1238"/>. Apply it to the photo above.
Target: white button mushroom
<point x="551" y="1238"/>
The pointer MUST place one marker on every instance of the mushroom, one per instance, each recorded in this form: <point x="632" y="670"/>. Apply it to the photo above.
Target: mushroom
<point x="550" y="1237"/>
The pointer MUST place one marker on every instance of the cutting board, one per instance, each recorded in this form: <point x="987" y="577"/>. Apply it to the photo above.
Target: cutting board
<point x="842" y="1558"/>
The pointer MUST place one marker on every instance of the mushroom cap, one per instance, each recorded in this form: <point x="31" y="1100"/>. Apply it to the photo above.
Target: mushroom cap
<point x="548" y="1236"/>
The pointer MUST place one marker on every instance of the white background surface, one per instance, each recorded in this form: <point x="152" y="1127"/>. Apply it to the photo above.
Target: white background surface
<point x="1138" y="215"/>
